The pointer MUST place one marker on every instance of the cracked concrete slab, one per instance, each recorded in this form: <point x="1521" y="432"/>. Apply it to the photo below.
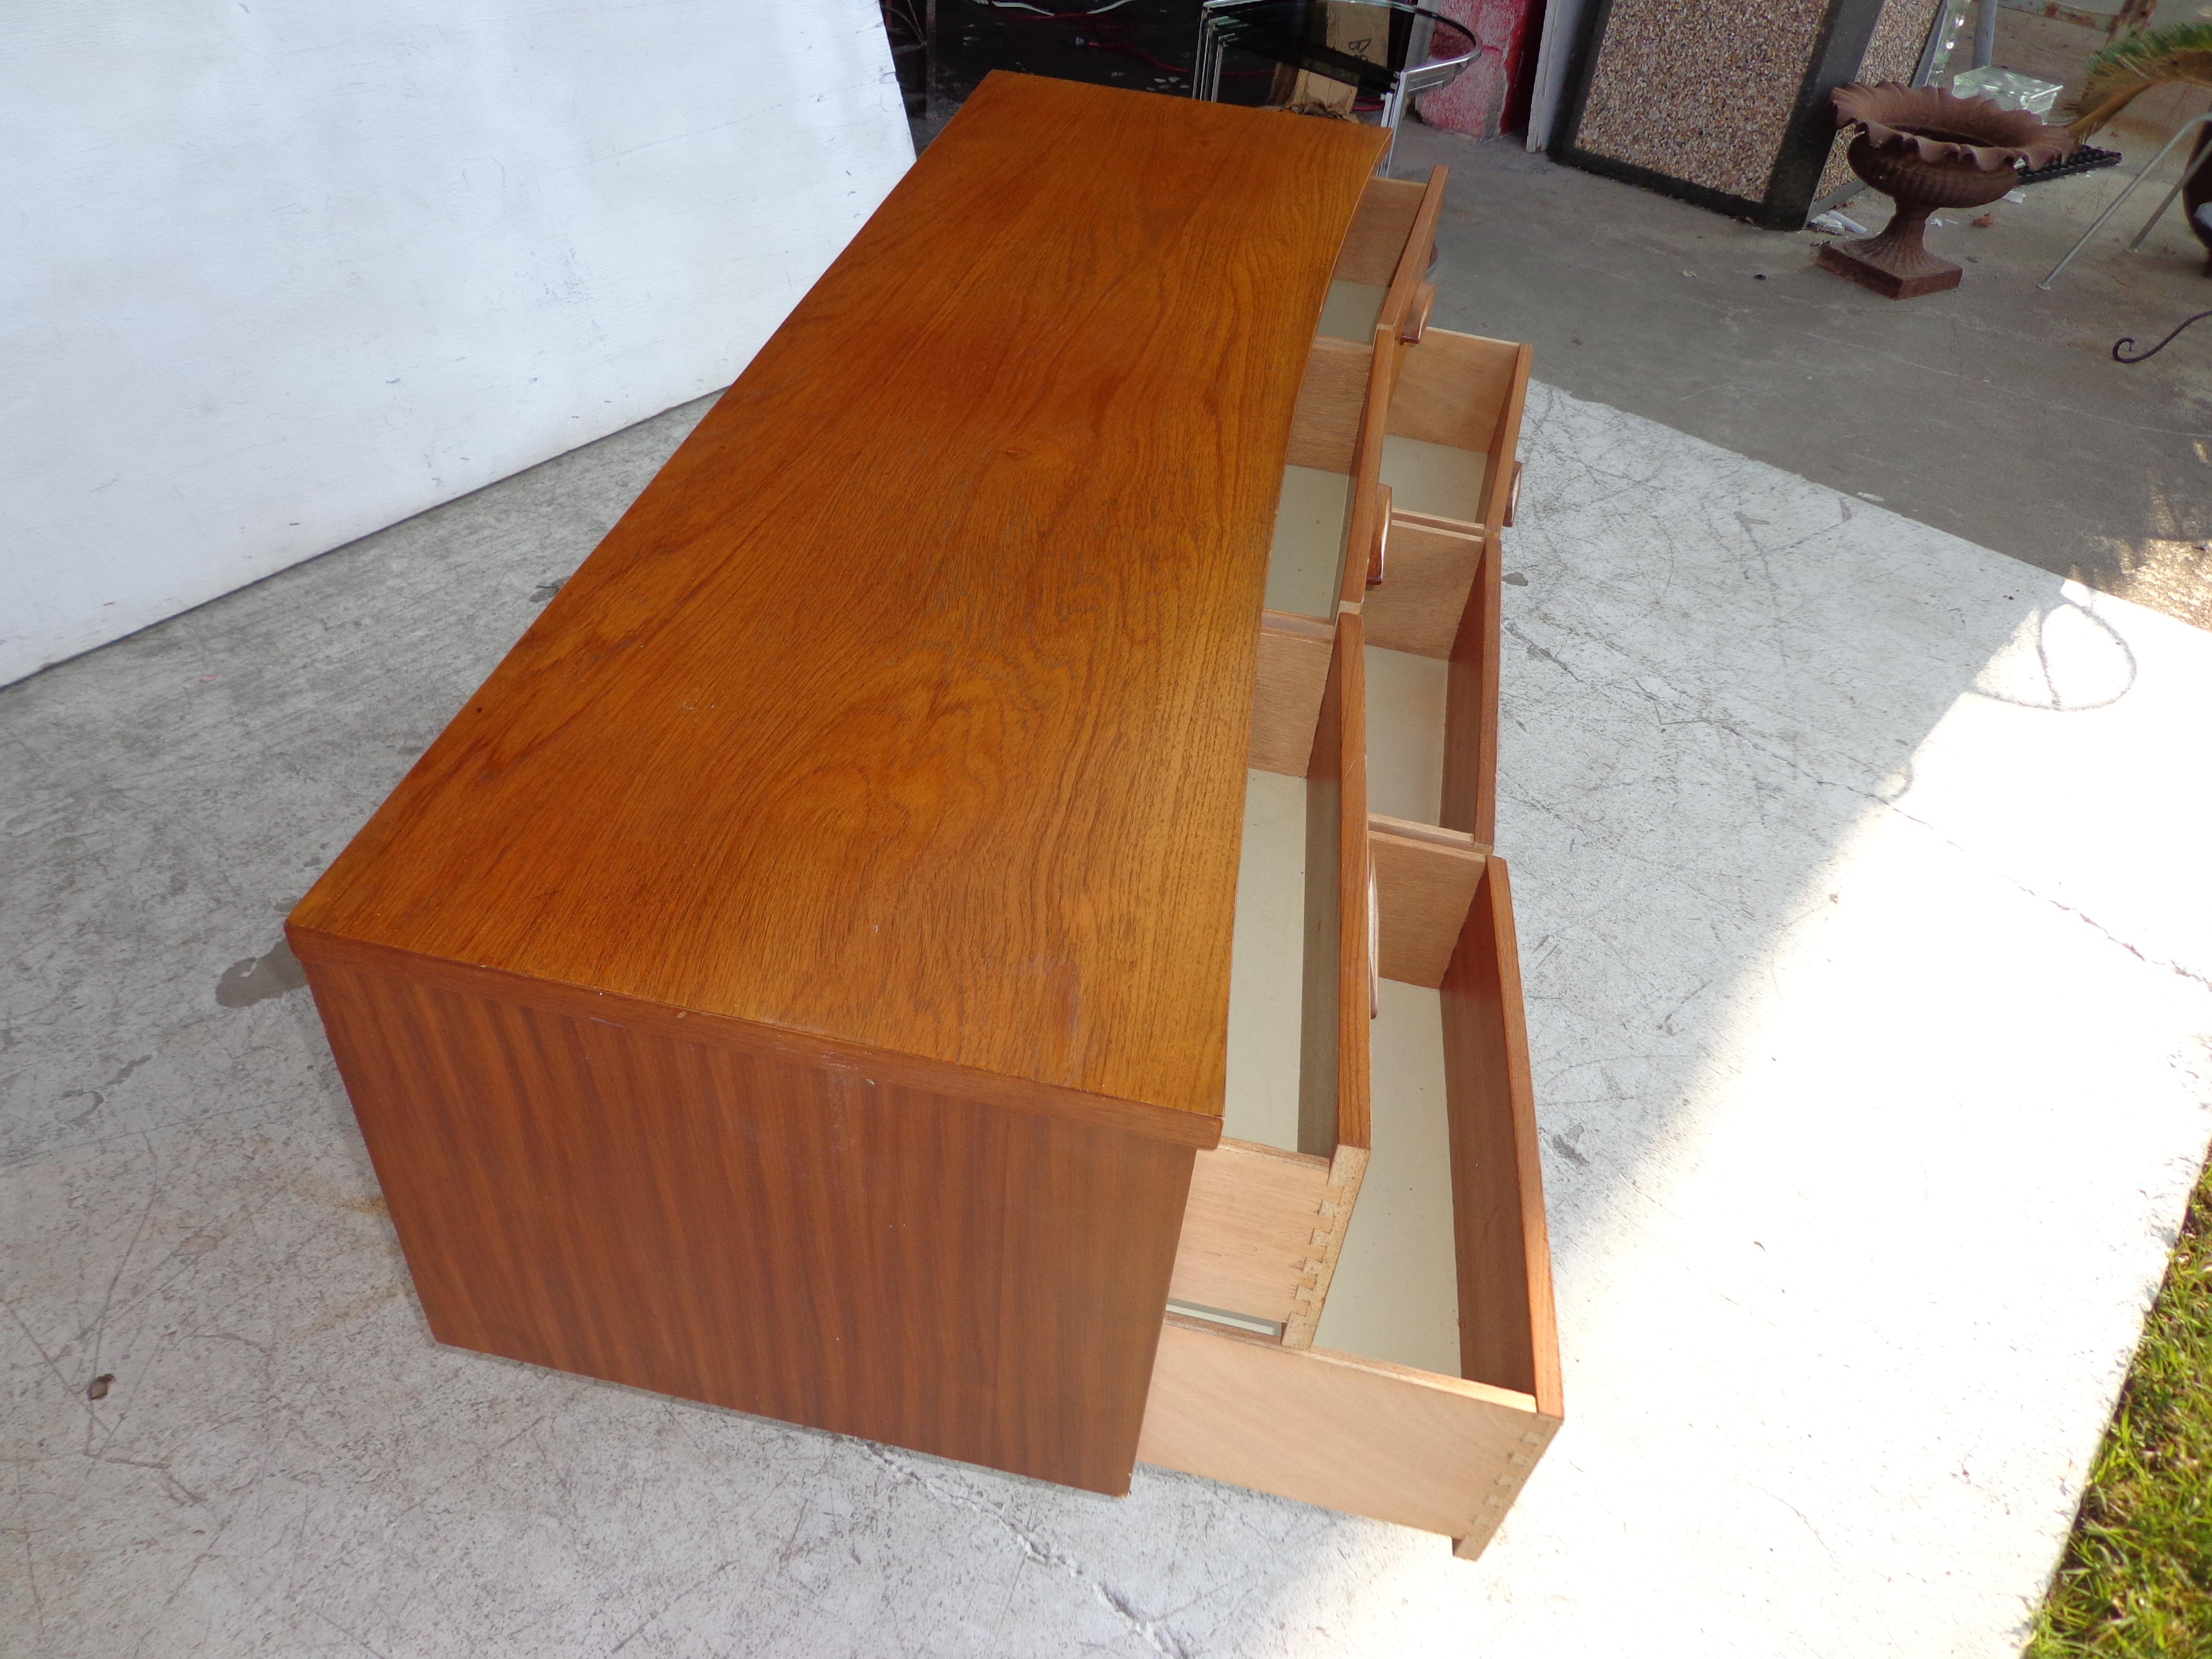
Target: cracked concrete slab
<point x="1866" y="958"/>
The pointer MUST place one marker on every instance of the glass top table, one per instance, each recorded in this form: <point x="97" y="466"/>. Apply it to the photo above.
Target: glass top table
<point x="1386" y="49"/>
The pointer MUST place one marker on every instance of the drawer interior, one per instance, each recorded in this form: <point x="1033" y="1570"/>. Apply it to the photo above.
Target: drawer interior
<point x="1455" y="389"/>
<point x="1452" y="426"/>
<point x="1352" y="310"/>
<point x="1305" y="560"/>
<point x="1423" y="438"/>
<point x="1360" y="1313"/>
<point x="1382" y="226"/>
<point x="1435" y="481"/>
<point x="1266" y="971"/>
<point x="1406" y="699"/>
<point x="1425" y="878"/>
<point x="1394" y="1295"/>
<point x="1267" y="1207"/>
<point x="1380" y="278"/>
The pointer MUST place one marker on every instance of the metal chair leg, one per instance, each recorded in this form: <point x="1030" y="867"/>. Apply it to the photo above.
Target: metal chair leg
<point x="2113" y="206"/>
<point x="2179" y="184"/>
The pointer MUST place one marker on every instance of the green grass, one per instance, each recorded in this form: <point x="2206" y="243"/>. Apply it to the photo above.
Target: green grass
<point x="2136" y="1580"/>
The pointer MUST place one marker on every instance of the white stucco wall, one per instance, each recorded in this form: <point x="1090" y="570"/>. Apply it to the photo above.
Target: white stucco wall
<point x="276" y="273"/>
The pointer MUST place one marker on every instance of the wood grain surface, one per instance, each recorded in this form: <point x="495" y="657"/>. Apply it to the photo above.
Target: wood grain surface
<point x="1508" y="1332"/>
<point x="1423" y="885"/>
<point x="1249" y="1228"/>
<point x="1331" y="402"/>
<point x="814" y="1244"/>
<point x="1376" y="244"/>
<point x="1290" y="673"/>
<point x="908" y="705"/>
<point x="1424" y="594"/>
<point x="1348" y="1433"/>
<point x="765" y="1041"/>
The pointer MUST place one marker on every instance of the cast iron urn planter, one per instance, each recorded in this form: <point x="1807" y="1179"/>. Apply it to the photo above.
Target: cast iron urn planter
<point x="1927" y="149"/>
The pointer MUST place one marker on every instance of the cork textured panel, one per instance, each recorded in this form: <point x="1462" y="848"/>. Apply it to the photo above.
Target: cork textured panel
<point x="1702" y="94"/>
<point x="1892" y="54"/>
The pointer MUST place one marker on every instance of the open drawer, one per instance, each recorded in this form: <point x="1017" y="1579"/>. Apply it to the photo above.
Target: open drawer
<point x="1268" y="1206"/>
<point x="1400" y="516"/>
<point x="1382" y="271"/>
<point x="1381" y="274"/>
<point x="1435" y="1385"/>
<point x="1365" y="1324"/>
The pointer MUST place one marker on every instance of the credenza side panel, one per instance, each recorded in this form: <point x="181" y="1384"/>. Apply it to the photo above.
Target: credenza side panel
<point x="792" y="1240"/>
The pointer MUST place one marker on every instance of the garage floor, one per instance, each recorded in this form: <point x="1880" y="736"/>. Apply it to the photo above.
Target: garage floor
<point x="1993" y="411"/>
<point x="1870" y="981"/>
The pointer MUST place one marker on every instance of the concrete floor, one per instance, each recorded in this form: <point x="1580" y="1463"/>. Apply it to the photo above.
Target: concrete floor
<point x="1870" y="993"/>
<point x="1993" y="411"/>
<point x="1870" y="997"/>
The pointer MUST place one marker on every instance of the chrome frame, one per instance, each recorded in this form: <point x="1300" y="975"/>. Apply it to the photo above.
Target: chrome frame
<point x="1420" y="77"/>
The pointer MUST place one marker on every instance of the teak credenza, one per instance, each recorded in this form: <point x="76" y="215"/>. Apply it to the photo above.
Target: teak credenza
<point x="1044" y="716"/>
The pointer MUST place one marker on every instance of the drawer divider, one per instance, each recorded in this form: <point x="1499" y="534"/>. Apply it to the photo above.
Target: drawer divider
<point x="1425" y="878"/>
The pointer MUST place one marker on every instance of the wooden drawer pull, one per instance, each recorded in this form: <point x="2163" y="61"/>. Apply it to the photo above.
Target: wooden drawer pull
<point x="1378" y="555"/>
<point x="1374" y="944"/>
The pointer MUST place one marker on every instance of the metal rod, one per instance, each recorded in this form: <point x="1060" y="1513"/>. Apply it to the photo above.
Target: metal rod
<point x="1985" y="32"/>
<point x="2179" y="184"/>
<point x="1939" y="31"/>
<point x="2113" y="207"/>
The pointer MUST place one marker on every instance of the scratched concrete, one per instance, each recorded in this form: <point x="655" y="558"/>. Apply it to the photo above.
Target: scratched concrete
<point x="1867" y="962"/>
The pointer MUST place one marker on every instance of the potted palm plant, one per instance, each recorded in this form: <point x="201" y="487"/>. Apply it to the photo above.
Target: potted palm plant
<point x="2180" y="53"/>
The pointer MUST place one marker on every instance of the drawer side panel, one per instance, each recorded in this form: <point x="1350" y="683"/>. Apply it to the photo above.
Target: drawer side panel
<point x="1509" y="1335"/>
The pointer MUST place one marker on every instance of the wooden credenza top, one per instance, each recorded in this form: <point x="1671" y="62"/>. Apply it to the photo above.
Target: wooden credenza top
<point x="908" y="707"/>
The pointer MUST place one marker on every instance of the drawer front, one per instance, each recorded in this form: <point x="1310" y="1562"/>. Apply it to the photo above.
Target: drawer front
<point x="1360" y="1435"/>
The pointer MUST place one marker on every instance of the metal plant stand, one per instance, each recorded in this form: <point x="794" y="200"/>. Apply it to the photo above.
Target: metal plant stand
<point x="2113" y="207"/>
